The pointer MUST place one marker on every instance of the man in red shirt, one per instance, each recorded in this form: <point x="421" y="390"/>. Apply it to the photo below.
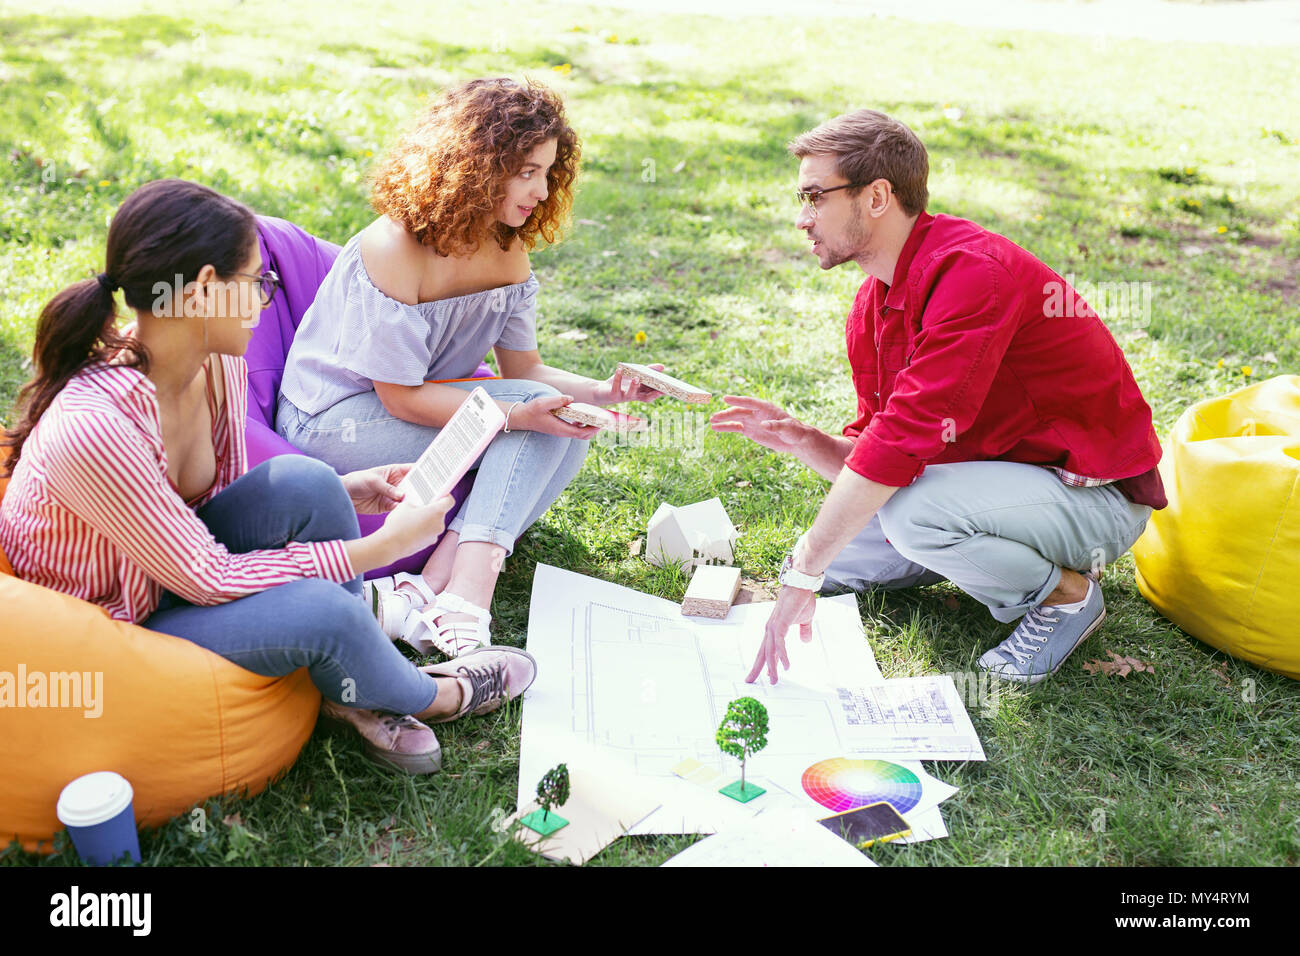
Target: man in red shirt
<point x="1001" y="441"/>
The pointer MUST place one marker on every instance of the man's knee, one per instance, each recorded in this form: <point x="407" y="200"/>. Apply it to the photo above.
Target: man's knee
<point x="913" y="519"/>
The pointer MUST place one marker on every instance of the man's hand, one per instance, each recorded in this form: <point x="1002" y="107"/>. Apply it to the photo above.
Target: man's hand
<point x="793" y="606"/>
<point x="374" y="490"/>
<point x="767" y="424"/>
<point x="619" y="388"/>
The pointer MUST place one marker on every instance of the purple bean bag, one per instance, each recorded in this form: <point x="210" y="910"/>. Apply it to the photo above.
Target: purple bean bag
<point x="302" y="261"/>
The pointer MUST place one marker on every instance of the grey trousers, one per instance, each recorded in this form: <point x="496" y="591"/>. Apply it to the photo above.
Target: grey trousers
<point x="1001" y="531"/>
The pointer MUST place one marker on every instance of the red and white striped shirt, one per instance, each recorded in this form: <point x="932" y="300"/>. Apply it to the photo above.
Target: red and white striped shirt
<point x="90" y="511"/>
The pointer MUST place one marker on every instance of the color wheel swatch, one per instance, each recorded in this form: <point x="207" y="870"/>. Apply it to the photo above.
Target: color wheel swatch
<point x="841" y="784"/>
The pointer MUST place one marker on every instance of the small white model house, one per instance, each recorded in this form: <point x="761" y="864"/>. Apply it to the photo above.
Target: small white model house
<point x="692" y="535"/>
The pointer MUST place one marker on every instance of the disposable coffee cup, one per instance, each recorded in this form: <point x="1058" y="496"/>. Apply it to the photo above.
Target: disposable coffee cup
<point x="98" y="812"/>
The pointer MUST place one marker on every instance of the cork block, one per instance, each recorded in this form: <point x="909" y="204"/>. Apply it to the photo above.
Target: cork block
<point x="663" y="382"/>
<point x="579" y="413"/>
<point x="712" y="589"/>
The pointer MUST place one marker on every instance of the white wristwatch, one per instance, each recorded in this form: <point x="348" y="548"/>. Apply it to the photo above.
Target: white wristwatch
<point x="789" y="577"/>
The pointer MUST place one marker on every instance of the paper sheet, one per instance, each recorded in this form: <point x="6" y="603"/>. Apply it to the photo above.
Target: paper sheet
<point x="600" y="809"/>
<point x="909" y="718"/>
<point x="926" y="825"/>
<point x="778" y="838"/>
<point x="624" y="673"/>
<point x="454" y="449"/>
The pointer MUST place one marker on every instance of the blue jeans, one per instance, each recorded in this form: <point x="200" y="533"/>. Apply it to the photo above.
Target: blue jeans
<point x="999" y="530"/>
<point x="312" y="623"/>
<point x="518" y="477"/>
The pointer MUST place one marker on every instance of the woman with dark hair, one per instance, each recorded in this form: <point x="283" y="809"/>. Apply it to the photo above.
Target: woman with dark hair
<point x="129" y="486"/>
<point x="409" y="309"/>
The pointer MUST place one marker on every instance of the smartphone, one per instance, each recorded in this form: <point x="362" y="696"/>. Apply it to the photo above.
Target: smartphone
<point x="876" y="822"/>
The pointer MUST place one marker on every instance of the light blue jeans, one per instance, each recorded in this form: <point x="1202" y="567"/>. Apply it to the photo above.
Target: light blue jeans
<point x="322" y="626"/>
<point x="999" y="530"/>
<point x="518" y="477"/>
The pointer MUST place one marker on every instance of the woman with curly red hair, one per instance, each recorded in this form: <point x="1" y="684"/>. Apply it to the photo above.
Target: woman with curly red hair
<point x="413" y="303"/>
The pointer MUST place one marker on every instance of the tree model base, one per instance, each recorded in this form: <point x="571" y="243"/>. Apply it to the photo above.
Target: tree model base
<point x="539" y="821"/>
<point x="749" y="792"/>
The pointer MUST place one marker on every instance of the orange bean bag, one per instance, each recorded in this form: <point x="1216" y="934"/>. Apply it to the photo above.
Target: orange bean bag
<point x="179" y="722"/>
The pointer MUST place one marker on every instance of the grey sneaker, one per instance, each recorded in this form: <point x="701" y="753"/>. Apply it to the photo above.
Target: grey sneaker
<point x="402" y="743"/>
<point x="1044" y="638"/>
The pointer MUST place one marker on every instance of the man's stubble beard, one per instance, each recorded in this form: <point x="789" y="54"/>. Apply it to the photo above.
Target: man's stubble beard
<point x="855" y="243"/>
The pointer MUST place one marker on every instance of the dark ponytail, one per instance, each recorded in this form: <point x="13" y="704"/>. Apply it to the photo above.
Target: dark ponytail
<point x="163" y="234"/>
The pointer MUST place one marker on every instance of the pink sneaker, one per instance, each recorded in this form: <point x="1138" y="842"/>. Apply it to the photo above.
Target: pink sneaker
<point x="402" y="743"/>
<point x="488" y="677"/>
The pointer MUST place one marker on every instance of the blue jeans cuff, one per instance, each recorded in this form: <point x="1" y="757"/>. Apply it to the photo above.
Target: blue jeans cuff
<point x="478" y="532"/>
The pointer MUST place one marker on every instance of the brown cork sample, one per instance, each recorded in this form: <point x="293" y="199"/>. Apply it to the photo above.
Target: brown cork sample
<point x="712" y="589"/>
<point x="663" y="382"/>
<point x="579" y="413"/>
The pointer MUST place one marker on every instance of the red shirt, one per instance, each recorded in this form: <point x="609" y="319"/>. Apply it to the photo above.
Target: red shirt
<point x="978" y="351"/>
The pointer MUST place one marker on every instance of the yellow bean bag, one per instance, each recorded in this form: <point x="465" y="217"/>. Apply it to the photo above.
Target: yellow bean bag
<point x="178" y="721"/>
<point x="1223" y="560"/>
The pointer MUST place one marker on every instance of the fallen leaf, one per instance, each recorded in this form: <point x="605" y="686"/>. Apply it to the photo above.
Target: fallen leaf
<point x="951" y="603"/>
<point x="680" y="166"/>
<point x="654" y="253"/>
<point x="1118" y="666"/>
<point x="634" y="549"/>
<point x="573" y="335"/>
<point x="608" y="252"/>
<point x="591" y="222"/>
<point x="743" y="484"/>
<point x="481" y="746"/>
<point x="1268" y="357"/>
<point x="1221" y="672"/>
<point x="234" y="820"/>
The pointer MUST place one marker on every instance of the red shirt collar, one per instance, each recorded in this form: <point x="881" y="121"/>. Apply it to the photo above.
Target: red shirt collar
<point x="894" y="298"/>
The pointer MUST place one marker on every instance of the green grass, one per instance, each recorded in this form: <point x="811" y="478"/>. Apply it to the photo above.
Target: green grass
<point x="1111" y="160"/>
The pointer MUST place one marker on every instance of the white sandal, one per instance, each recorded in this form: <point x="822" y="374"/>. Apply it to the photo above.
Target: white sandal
<point x="453" y="638"/>
<point x="391" y="605"/>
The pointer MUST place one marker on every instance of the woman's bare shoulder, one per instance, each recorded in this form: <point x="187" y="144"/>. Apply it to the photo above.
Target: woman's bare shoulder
<point x="394" y="259"/>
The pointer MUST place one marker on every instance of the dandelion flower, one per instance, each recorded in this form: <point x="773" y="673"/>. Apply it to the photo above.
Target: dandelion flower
<point x="1247" y="371"/>
<point x="1222" y="230"/>
<point x="640" y="338"/>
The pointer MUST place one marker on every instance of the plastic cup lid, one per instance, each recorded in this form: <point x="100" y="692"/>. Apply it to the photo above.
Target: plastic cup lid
<point x="93" y="798"/>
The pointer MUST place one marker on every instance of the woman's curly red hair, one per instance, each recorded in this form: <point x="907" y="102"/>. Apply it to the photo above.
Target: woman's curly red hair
<point x="446" y="176"/>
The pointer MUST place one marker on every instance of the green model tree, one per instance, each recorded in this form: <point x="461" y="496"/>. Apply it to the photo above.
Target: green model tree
<point x="553" y="789"/>
<point x="743" y="731"/>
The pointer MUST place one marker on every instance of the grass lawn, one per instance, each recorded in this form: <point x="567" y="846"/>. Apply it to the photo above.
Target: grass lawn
<point x="1111" y="160"/>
